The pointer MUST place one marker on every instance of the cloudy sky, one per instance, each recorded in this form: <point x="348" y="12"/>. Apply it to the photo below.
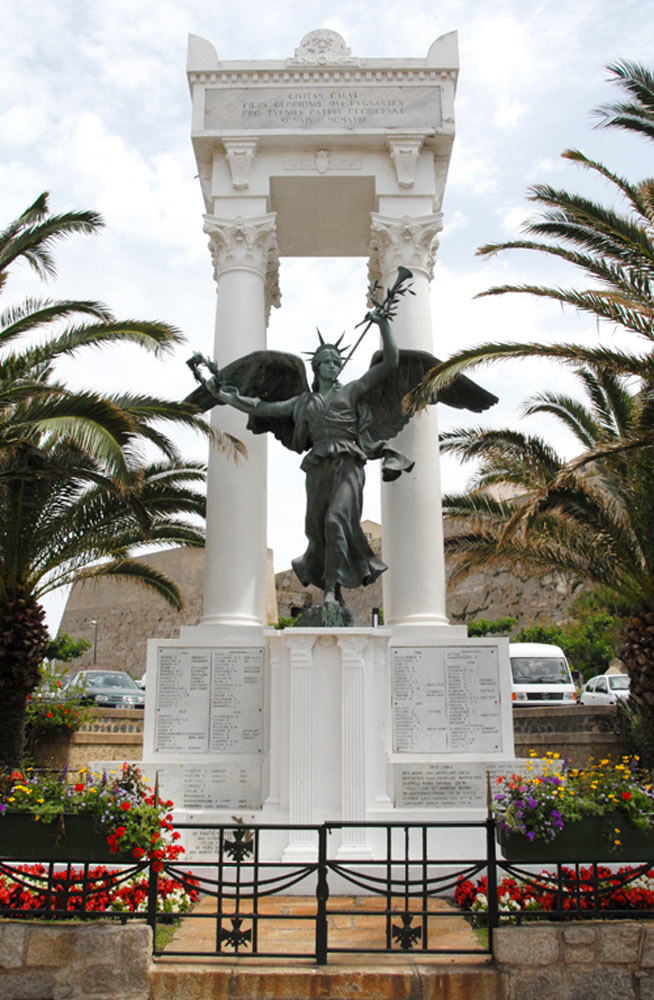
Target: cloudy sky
<point x="95" y="109"/>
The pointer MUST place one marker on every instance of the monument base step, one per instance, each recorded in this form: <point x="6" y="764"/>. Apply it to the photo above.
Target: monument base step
<point x="413" y="975"/>
<point x="365" y="981"/>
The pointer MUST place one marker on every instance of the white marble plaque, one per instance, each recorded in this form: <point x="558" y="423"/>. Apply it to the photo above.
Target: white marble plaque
<point x="236" y="701"/>
<point x="446" y="699"/>
<point x="234" y="784"/>
<point x="209" y="700"/>
<point x="182" y="700"/>
<point x="341" y="108"/>
<point x="450" y="786"/>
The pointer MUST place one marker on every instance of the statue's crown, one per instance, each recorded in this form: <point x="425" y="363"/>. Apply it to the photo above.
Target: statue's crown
<point x="324" y="348"/>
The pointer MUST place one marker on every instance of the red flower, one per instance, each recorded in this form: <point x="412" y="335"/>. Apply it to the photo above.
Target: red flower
<point x="626" y="796"/>
<point x="120" y="831"/>
<point x="80" y="786"/>
<point x="138" y="852"/>
<point x="125" y="806"/>
<point x="49" y="715"/>
<point x="157" y="865"/>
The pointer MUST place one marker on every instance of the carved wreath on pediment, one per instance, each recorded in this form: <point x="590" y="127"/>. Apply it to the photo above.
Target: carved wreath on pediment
<point x="323" y="45"/>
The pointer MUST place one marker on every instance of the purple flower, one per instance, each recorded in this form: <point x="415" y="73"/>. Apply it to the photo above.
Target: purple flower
<point x="531" y="835"/>
<point x="532" y="802"/>
<point x="557" y="819"/>
<point x="3" y="808"/>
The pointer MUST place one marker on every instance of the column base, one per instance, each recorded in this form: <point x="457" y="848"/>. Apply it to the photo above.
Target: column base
<point x="298" y="852"/>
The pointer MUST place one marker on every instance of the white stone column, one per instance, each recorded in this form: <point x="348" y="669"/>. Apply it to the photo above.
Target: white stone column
<point x="412" y="524"/>
<point x="302" y="844"/>
<point x="353" y="745"/>
<point x="381" y="770"/>
<point x="244" y="253"/>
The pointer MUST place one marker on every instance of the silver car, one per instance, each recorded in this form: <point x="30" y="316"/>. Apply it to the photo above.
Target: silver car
<point x="605" y="689"/>
<point x="107" y="689"/>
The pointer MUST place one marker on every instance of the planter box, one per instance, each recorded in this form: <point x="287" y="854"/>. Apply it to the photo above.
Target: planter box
<point x="589" y="839"/>
<point x="74" y="838"/>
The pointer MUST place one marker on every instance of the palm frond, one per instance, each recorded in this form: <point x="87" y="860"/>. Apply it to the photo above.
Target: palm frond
<point x="32" y="236"/>
<point x="32" y="314"/>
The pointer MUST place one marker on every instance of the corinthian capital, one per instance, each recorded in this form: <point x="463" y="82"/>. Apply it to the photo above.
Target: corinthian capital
<point x="246" y="244"/>
<point x="410" y="241"/>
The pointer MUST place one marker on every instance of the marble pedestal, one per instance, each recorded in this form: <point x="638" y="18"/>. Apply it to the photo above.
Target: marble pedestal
<point x="304" y="726"/>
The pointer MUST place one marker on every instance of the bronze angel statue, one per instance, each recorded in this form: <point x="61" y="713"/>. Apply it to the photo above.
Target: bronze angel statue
<point x="340" y="425"/>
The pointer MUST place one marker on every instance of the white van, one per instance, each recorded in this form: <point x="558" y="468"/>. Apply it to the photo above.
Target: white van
<point x="540" y="675"/>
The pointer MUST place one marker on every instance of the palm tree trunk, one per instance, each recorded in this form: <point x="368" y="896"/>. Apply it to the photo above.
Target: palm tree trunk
<point x="23" y="642"/>
<point x="636" y="651"/>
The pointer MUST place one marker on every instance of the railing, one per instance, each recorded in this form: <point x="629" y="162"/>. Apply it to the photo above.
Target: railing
<point x="329" y="895"/>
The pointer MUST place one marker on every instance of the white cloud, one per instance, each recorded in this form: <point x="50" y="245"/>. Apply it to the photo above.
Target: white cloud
<point x="97" y="112"/>
<point x="509" y="114"/>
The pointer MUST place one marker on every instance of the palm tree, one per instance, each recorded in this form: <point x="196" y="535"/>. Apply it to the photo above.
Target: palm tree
<point x="70" y="522"/>
<point x="592" y="522"/>
<point x="76" y="493"/>
<point x="614" y="249"/>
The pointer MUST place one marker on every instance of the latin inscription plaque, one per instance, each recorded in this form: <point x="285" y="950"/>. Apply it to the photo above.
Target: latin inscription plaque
<point x="209" y="700"/>
<point x="446" y="699"/>
<point x="264" y="108"/>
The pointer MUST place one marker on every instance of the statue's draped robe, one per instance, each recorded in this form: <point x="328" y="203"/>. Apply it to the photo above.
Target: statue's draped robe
<point x="339" y="434"/>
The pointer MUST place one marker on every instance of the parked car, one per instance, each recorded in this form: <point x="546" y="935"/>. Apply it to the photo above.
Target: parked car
<point x="540" y="675"/>
<point x="107" y="689"/>
<point x="605" y="689"/>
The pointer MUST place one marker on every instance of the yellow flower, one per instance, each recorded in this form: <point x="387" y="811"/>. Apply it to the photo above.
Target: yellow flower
<point x="36" y="819"/>
<point x="40" y="801"/>
<point x="618" y="843"/>
<point x="11" y="799"/>
<point x="616" y="830"/>
<point x="556" y="756"/>
<point x="93" y="791"/>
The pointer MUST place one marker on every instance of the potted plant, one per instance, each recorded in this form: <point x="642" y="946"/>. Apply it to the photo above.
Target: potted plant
<point x="553" y="812"/>
<point x="111" y="816"/>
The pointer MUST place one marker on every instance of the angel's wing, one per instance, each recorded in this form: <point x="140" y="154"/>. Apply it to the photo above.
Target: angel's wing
<point x="269" y="375"/>
<point x="385" y="399"/>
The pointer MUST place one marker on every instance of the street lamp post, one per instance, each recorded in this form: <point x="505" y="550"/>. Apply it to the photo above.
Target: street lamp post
<point x="95" y="640"/>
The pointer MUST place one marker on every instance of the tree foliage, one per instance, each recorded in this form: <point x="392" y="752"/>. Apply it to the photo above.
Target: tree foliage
<point x="611" y="247"/>
<point x="86" y="479"/>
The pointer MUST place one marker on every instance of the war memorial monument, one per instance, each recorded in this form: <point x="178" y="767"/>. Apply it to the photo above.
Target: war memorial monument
<point x="324" y="154"/>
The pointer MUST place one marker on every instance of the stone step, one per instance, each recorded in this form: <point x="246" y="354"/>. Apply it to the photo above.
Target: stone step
<point x="175" y="981"/>
<point x="391" y="976"/>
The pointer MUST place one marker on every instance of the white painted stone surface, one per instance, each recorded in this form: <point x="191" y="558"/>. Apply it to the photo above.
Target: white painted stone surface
<point x="329" y="702"/>
<point x="322" y="154"/>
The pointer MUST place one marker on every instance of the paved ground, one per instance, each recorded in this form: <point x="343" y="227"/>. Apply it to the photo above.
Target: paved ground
<point x="362" y="925"/>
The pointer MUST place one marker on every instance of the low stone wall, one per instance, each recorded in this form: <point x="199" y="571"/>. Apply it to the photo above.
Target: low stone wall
<point x="110" y="734"/>
<point x="584" y="960"/>
<point x="579" y="732"/>
<point x="99" y="961"/>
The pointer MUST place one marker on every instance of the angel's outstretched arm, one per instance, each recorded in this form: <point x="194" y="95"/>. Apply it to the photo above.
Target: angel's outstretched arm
<point x="252" y="405"/>
<point x="390" y="359"/>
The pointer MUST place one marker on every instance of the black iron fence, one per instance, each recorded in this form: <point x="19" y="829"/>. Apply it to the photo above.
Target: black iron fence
<point x="311" y="892"/>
